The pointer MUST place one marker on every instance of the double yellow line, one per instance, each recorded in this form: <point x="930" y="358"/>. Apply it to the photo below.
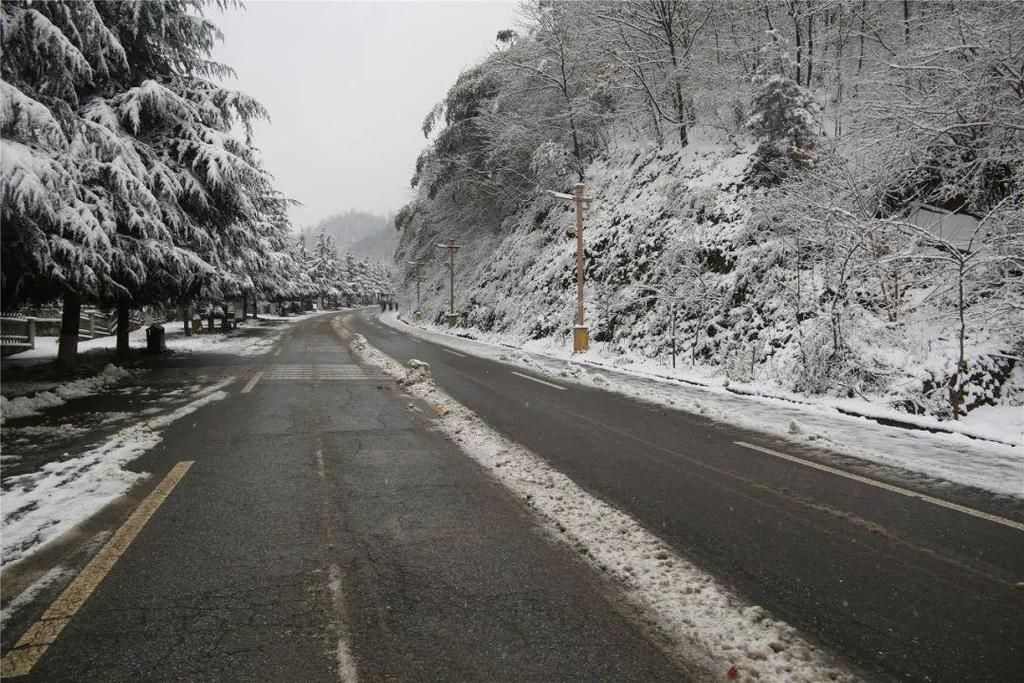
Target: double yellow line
<point x="37" y="639"/>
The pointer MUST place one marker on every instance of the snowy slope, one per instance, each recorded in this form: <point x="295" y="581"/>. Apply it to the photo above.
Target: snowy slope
<point x="659" y="211"/>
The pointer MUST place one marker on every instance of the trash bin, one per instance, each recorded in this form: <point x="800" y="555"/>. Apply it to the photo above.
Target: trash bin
<point x="155" y="339"/>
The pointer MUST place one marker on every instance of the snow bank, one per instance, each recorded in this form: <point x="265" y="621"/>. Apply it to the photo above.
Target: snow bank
<point x="22" y="406"/>
<point x="40" y="506"/>
<point x="996" y="467"/>
<point x="708" y="625"/>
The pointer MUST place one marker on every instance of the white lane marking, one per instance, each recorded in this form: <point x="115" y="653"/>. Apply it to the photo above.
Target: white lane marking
<point x="347" y="671"/>
<point x="454" y="353"/>
<point x="252" y="382"/>
<point x="277" y="352"/>
<point x="888" y="487"/>
<point x="538" y="381"/>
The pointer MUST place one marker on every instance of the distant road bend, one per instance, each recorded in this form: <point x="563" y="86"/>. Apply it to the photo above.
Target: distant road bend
<point x="903" y="587"/>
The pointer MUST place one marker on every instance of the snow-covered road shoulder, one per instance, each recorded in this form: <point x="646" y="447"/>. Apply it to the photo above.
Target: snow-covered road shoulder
<point x="957" y="458"/>
<point x="707" y="625"/>
<point x="56" y="394"/>
<point x="40" y="506"/>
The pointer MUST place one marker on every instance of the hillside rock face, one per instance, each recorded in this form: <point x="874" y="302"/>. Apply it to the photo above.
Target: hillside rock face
<point x="685" y="230"/>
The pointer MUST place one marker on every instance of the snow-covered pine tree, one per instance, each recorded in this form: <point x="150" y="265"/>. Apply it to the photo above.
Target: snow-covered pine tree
<point x="123" y="180"/>
<point x="216" y="198"/>
<point x="323" y="268"/>
<point x="783" y="116"/>
<point x="57" y="228"/>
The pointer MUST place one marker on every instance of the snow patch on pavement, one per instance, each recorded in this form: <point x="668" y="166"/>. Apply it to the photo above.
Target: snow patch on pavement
<point x="988" y="465"/>
<point x="235" y="344"/>
<point x="27" y="596"/>
<point x="709" y="626"/>
<point x="40" y="506"/>
<point x="23" y="406"/>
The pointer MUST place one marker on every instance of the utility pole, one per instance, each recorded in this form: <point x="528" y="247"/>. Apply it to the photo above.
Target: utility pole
<point x="580" y="337"/>
<point x="419" y="281"/>
<point x="452" y="248"/>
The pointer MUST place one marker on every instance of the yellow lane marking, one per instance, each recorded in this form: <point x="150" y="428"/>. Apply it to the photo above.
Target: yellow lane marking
<point x="252" y="382"/>
<point x="888" y="487"/>
<point x="34" y="643"/>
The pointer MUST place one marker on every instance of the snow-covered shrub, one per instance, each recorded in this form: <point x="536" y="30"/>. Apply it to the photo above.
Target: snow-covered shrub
<point x="782" y="117"/>
<point x="551" y="164"/>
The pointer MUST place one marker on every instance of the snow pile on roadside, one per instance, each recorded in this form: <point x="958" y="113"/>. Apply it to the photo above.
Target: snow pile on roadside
<point x="235" y="344"/>
<point x="40" y="506"/>
<point x="22" y="406"/>
<point x="704" y="620"/>
<point x="995" y="467"/>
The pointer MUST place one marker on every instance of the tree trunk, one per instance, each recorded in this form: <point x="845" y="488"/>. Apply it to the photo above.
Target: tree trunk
<point x="860" y="58"/>
<point x="956" y="394"/>
<point x="210" y="320"/>
<point x="906" y="22"/>
<point x="186" y="315"/>
<point x="245" y="307"/>
<point x="123" y="323"/>
<point x="799" y="43"/>
<point x="810" y="47"/>
<point x="67" y="349"/>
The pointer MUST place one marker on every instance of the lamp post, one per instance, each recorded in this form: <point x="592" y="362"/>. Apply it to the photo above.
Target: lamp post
<point x="580" y="337"/>
<point x="419" y="280"/>
<point x="452" y="248"/>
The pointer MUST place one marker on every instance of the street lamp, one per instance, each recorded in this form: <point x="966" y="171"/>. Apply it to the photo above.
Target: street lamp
<point x="452" y="248"/>
<point x="419" y="280"/>
<point x="580" y="338"/>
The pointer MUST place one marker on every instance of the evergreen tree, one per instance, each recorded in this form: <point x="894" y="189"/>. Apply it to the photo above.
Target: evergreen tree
<point x="783" y="119"/>
<point x="323" y="267"/>
<point x="122" y="179"/>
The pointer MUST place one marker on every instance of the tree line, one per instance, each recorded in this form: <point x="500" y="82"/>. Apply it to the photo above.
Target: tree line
<point x="335" y="281"/>
<point x="129" y="175"/>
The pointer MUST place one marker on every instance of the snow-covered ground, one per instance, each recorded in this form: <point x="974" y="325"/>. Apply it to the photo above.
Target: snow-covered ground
<point x="955" y="457"/>
<point x="699" y="616"/>
<point x="50" y="394"/>
<point x="235" y="343"/>
<point x="688" y="230"/>
<point x="29" y="398"/>
<point x="40" y="506"/>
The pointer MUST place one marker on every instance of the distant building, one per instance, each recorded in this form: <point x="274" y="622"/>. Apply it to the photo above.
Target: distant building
<point x="957" y="228"/>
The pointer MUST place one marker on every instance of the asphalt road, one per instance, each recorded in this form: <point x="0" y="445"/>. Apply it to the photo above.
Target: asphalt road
<point x="326" y="528"/>
<point x="902" y="588"/>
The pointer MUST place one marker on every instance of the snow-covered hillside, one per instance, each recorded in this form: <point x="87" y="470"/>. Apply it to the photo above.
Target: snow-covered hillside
<point x="684" y="229"/>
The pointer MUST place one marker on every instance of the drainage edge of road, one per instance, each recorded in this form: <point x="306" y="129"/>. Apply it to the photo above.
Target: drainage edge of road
<point x="884" y="420"/>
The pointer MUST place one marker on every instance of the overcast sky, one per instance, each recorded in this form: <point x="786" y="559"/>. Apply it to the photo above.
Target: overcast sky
<point x="347" y="85"/>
